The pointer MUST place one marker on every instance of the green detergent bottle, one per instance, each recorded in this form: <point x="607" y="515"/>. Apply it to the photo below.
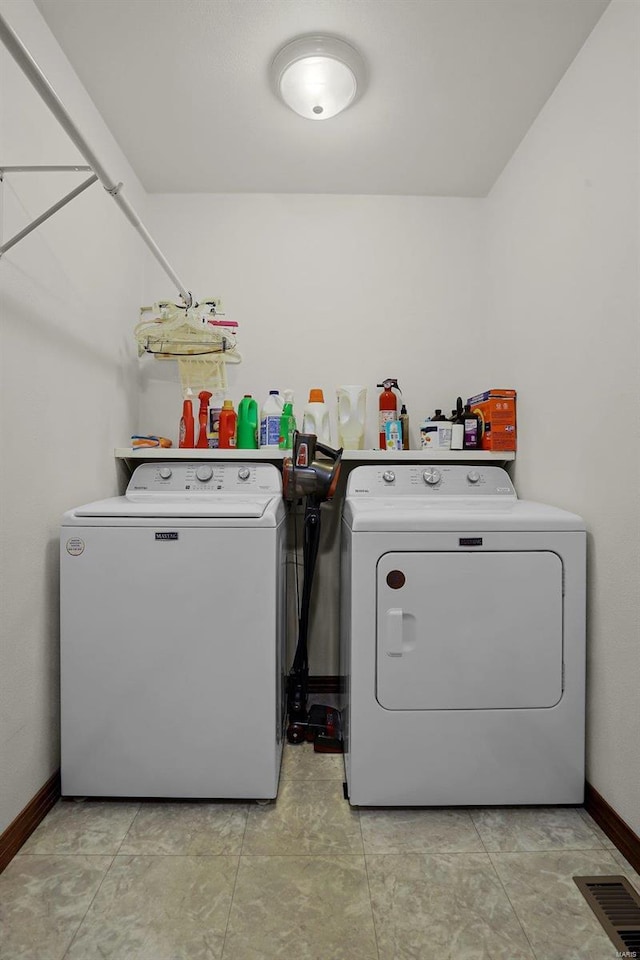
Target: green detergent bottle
<point x="247" y="424"/>
<point x="287" y="427"/>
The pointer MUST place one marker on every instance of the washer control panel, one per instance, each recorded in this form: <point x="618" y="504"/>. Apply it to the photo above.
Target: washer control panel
<point x="185" y="479"/>
<point x="455" y="480"/>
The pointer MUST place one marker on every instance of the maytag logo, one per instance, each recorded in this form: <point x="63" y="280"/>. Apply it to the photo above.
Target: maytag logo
<point x="169" y="535"/>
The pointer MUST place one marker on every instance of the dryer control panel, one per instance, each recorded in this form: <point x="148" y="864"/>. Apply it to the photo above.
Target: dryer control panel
<point x="447" y="480"/>
<point x="203" y="479"/>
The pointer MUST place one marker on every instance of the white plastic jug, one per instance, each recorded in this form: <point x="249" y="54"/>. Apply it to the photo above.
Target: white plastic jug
<point x="352" y="406"/>
<point x="270" y="420"/>
<point x="316" y="417"/>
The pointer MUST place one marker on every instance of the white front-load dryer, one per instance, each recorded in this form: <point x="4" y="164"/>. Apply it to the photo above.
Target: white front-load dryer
<point x="172" y="635"/>
<point x="462" y="639"/>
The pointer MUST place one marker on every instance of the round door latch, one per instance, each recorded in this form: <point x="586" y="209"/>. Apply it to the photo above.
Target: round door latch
<point x="396" y="579"/>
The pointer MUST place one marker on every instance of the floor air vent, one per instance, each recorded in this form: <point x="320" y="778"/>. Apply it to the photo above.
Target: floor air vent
<point x="617" y="906"/>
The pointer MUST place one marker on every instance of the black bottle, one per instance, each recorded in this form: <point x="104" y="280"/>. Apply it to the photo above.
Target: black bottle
<point x="471" y="424"/>
<point x="457" y="426"/>
<point x="404" y="421"/>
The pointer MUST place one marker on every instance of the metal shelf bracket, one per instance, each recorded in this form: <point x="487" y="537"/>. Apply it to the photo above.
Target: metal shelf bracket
<point x="51" y="210"/>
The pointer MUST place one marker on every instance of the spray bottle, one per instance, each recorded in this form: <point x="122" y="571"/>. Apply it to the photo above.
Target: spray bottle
<point x="288" y="424"/>
<point x="203" y="415"/>
<point x="387" y="407"/>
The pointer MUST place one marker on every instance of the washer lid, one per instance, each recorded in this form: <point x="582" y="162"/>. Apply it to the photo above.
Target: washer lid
<point x="223" y="506"/>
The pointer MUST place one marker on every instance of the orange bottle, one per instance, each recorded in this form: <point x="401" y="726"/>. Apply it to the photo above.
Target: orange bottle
<point x="228" y="423"/>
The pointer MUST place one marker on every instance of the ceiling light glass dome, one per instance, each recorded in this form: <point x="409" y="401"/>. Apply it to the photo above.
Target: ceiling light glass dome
<point x="317" y="77"/>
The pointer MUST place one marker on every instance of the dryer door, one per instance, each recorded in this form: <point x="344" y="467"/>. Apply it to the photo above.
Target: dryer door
<point x="469" y="630"/>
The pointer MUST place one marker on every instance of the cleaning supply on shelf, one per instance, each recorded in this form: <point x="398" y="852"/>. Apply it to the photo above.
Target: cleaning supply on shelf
<point x="228" y="426"/>
<point x="387" y="407"/>
<point x="187" y="426"/>
<point x="203" y="419"/>
<point x="457" y="426"/>
<point x="270" y="419"/>
<point x="443" y="436"/>
<point x="496" y="410"/>
<point x="316" y="417"/>
<point x="428" y="434"/>
<point x="471" y="429"/>
<point x="404" y="420"/>
<point x="149" y="440"/>
<point x="352" y="406"/>
<point x="213" y="429"/>
<point x="393" y="434"/>
<point x="288" y="424"/>
<point x="247" y="431"/>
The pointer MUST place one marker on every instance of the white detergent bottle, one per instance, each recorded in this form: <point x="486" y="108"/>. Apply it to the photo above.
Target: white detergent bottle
<point x="270" y="420"/>
<point x="316" y="417"/>
<point x="352" y="404"/>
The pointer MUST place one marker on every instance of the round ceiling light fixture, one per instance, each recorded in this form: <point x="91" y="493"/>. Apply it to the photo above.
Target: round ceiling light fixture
<point x="317" y="76"/>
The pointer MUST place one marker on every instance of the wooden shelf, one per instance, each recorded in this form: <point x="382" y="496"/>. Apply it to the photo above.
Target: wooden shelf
<point x="354" y="456"/>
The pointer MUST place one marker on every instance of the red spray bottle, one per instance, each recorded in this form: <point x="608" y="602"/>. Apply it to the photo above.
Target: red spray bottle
<point x="203" y="415"/>
<point x="187" y="435"/>
<point x="387" y="407"/>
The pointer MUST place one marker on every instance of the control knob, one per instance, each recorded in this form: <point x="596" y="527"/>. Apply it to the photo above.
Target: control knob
<point x="473" y="476"/>
<point x="388" y="476"/>
<point x="165" y="473"/>
<point x="432" y="476"/>
<point x="244" y="473"/>
<point x="204" y="473"/>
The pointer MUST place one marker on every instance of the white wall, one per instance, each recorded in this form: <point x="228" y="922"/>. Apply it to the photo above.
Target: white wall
<point x="329" y="290"/>
<point x="70" y="294"/>
<point x="564" y="284"/>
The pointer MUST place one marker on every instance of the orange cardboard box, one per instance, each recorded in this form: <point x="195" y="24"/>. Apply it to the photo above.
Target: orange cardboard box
<point x="497" y="412"/>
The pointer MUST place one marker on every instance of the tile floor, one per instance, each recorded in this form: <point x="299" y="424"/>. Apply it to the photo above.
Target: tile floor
<point x="306" y="878"/>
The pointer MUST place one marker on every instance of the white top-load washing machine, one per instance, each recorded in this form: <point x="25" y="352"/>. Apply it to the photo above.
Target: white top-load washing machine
<point x="463" y="640"/>
<point x="172" y="635"/>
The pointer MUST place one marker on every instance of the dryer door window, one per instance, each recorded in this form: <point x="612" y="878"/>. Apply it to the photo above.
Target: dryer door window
<point x="469" y="630"/>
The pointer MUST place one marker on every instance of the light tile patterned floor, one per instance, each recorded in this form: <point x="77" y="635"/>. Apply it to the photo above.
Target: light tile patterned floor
<point x="307" y="877"/>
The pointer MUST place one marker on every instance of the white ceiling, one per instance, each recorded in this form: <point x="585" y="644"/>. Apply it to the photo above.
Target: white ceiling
<point x="453" y="86"/>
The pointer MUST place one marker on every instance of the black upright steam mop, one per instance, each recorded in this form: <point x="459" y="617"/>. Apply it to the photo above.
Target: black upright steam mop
<point x="316" y="482"/>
